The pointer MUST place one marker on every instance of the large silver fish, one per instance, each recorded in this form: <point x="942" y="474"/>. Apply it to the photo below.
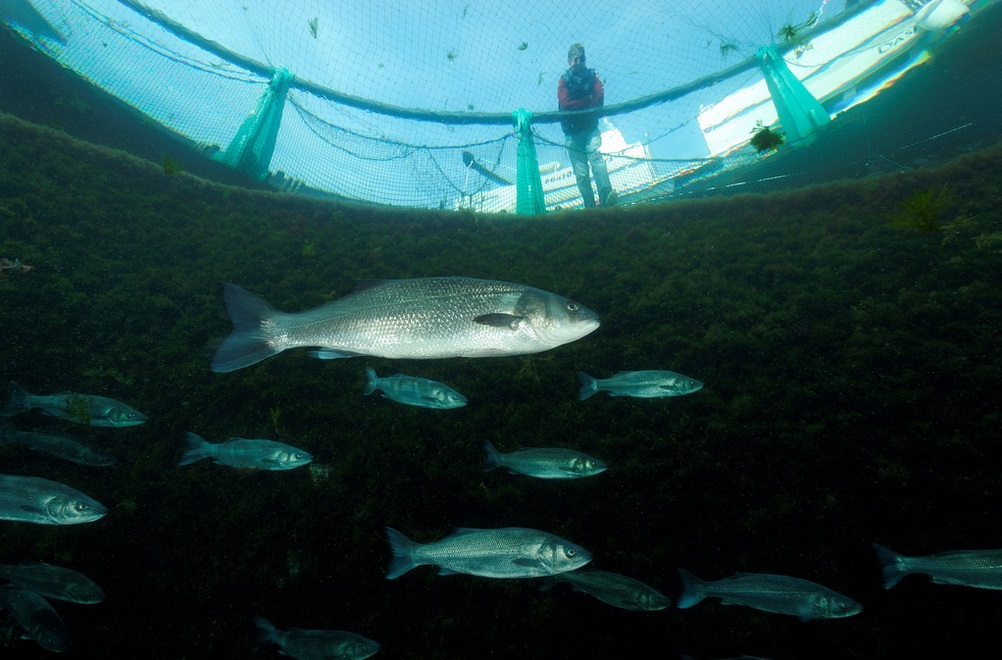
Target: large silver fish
<point x="544" y="462"/>
<point x="615" y="589"/>
<point x="54" y="582"/>
<point x="80" y="408"/>
<point x="45" y="502"/>
<point x="509" y="552"/>
<point x="966" y="568"/>
<point x="414" y="391"/>
<point x="36" y="616"/>
<point x="423" y="318"/>
<point x="247" y="453"/>
<point x="779" y="594"/>
<point x="59" y="445"/>
<point x="300" y="643"/>
<point x="652" y="384"/>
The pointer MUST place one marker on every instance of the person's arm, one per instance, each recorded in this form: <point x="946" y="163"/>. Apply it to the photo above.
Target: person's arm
<point x="598" y="93"/>
<point x="593" y="100"/>
<point x="562" y="102"/>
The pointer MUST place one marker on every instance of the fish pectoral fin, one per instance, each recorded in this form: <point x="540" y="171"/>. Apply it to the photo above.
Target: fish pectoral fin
<point x="447" y="571"/>
<point x="27" y="508"/>
<point x="527" y="562"/>
<point x="500" y="320"/>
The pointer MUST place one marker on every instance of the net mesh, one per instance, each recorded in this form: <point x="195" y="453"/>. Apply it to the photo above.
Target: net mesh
<point x="411" y="104"/>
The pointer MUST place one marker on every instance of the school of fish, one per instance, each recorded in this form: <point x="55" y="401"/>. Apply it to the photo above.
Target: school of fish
<point x="421" y="318"/>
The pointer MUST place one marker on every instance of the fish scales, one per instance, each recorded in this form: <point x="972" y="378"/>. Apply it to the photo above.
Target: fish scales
<point x="780" y="594"/>
<point x="511" y="552"/>
<point x="45" y="502"/>
<point x="981" y="569"/>
<point x="468" y="551"/>
<point x="410" y="318"/>
<point x="421" y="318"/>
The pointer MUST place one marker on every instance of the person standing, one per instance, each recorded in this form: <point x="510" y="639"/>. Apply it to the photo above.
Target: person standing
<point x="580" y="89"/>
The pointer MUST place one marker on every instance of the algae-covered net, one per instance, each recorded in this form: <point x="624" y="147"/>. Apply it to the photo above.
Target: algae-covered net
<point x="450" y="103"/>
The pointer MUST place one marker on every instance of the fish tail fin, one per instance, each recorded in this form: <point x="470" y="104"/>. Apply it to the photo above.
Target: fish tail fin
<point x="493" y="459"/>
<point x="249" y="342"/>
<point x="692" y="590"/>
<point x="267" y="630"/>
<point x="588" y="385"/>
<point x="370" y="380"/>
<point x="891" y="565"/>
<point x="18" y="401"/>
<point x="197" y="451"/>
<point x="403" y="549"/>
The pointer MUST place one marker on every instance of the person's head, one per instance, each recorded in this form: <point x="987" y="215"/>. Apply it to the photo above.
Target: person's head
<point x="576" y="56"/>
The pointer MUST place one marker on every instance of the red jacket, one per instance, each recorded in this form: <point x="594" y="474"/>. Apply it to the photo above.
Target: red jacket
<point x="580" y="91"/>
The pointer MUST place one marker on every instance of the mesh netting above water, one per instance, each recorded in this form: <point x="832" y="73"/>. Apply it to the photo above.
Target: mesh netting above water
<point x="413" y="104"/>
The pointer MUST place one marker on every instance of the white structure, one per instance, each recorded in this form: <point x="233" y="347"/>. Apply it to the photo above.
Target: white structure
<point x="833" y="66"/>
<point x="630" y="170"/>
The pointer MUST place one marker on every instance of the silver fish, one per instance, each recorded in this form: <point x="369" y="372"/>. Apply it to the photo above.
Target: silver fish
<point x="80" y="408"/>
<point x="544" y="462"/>
<point x="639" y="384"/>
<point x="60" y="446"/>
<point x="317" y="644"/>
<point x="44" y="502"/>
<point x="36" y="616"/>
<point x="779" y="594"/>
<point x="615" y="589"/>
<point x="54" y="582"/>
<point x="414" y="391"/>
<point x="509" y="552"/>
<point x="966" y="568"/>
<point x="424" y="318"/>
<point x="246" y="453"/>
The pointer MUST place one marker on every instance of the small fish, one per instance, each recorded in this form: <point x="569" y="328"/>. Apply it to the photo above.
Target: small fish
<point x="36" y="616"/>
<point x="414" y="391"/>
<point x="421" y="318"/>
<point x="246" y="453"/>
<point x="615" y="589"/>
<point x="44" y="502"/>
<point x="639" y="384"/>
<point x="779" y="594"/>
<point x="317" y="644"/>
<point x="966" y="568"/>
<point x="73" y="407"/>
<point x="544" y="463"/>
<point x="54" y="582"/>
<point x="509" y="552"/>
<point x="60" y="446"/>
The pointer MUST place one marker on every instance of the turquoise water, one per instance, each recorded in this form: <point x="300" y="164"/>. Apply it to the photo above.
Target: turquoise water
<point x="850" y="363"/>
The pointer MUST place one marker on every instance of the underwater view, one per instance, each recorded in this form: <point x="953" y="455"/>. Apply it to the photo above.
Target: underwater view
<point x="846" y="337"/>
<point x="833" y="378"/>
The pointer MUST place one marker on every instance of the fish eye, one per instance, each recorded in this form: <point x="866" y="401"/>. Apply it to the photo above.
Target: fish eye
<point x="572" y="307"/>
<point x="571" y="552"/>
